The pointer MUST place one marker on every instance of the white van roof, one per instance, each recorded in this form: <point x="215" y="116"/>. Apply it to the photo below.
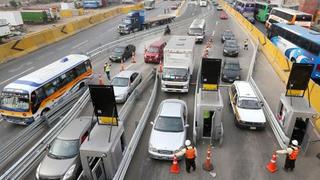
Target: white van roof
<point x="244" y="89"/>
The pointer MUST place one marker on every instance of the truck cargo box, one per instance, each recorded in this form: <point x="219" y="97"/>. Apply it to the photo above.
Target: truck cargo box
<point x="13" y="18"/>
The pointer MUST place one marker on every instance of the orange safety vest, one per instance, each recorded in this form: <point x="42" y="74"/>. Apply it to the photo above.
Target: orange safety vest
<point x="190" y="153"/>
<point x="294" y="154"/>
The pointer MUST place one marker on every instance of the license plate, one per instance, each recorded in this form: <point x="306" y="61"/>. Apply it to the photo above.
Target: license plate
<point x="253" y="127"/>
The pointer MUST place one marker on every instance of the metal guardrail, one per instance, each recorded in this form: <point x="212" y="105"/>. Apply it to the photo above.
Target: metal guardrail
<point x="27" y="135"/>
<point x="122" y="169"/>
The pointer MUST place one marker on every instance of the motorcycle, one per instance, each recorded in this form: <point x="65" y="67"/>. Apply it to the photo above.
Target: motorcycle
<point x="167" y="32"/>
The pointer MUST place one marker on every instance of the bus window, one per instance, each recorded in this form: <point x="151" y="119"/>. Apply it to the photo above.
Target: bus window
<point x="88" y="65"/>
<point x="80" y="69"/>
<point x="67" y="77"/>
<point x="52" y="86"/>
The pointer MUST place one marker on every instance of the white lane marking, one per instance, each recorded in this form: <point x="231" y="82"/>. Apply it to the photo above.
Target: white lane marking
<point x="20" y="67"/>
<point x="80" y="44"/>
<point x="128" y="67"/>
<point x="17" y="75"/>
<point x="217" y="22"/>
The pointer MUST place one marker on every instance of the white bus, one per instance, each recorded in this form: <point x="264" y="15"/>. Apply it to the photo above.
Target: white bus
<point x="289" y="16"/>
<point x="31" y="96"/>
<point x="197" y="29"/>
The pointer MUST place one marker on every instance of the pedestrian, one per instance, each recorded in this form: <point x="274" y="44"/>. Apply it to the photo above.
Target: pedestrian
<point x="245" y="44"/>
<point x="292" y="153"/>
<point x="107" y="70"/>
<point x="190" y="154"/>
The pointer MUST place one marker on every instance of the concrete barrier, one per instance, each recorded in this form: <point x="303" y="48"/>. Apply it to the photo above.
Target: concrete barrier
<point x="276" y="58"/>
<point x="34" y="41"/>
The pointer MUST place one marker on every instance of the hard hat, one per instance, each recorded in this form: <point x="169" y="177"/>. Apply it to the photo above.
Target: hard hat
<point x="187" y="143"/>
<point x="294" y="142"/>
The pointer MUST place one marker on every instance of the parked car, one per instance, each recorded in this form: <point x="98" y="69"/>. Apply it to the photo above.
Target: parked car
<point x="231" y="70"/>
<point x="124" y="83"/>
<point x="227" y="35"/>
<point x="62" y="160"/>
<point x="223" y="15"/>
<point x="169" y="129"/>
<point x="122" y="53"/>
<point x="246" y="106"/>
<point x="154" y="53"/>
<point x="219" y="8"/>
<point x="231" y="48"/>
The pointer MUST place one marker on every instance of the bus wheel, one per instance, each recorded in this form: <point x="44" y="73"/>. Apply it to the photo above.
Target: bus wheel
<point x="293" y="60"/>
<point x="81" y="86"/>
<point x="44" y="112"/>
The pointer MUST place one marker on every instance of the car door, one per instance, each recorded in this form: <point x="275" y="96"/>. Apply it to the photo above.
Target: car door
<point x="134" y="80"/>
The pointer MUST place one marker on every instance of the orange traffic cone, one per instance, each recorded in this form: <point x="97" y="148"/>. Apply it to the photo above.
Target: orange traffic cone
<point x="175" y="167"/>
<point x="121" y="66"/>
<point x="160" y="67"/>
<point x="207" y="165"/>
<point x="133" y="58"/>
<point x="100" y="80"/>
<point x="272" y="165"/>
<point x="206" y="52"/>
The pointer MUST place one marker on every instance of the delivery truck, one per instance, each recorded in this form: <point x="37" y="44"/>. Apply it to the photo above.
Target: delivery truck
<point x="136" y="21"/>
<point x="40" y="16"/>
<point x="4" y="29"/>
<point x="13" y="18"/>
<point x="178" y="64"/>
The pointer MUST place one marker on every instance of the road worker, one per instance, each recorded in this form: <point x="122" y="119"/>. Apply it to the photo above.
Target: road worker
<point x="107" y="70"/>
<point x="190" y="154"/>
<point x="292" y="153"/>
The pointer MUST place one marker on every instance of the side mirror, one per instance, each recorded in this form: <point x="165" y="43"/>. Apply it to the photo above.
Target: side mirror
<point x="186" y="125"/>
<point x="151" y="123"/>
<point x="261" y="104"/>
<point x="48" y="147"/>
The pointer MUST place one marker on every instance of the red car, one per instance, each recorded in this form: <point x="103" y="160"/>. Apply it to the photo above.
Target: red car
<point x="223" y="15"/>
<point x="154" y="54"/>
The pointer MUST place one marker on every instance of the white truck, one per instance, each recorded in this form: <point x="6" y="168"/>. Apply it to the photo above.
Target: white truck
<point x="149" y="4"/>
<point x="4" y="29"/>
<point x="13" y="18"/>
<point x="178" y="64"/>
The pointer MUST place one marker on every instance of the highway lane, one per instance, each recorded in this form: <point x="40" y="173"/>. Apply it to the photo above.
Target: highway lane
<point x="100" y="34"/>
<point x="243" y="154"/>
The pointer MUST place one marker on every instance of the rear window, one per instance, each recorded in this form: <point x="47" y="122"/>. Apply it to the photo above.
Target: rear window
<point x="303" y="18"/>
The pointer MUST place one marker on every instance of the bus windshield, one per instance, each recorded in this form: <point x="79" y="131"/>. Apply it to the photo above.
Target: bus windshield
<point x="18" y="102"/>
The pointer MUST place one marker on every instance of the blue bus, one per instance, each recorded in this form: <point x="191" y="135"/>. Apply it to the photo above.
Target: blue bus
<point x="299" y="44"/>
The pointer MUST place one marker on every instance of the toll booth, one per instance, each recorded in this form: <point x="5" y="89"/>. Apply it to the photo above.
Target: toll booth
<point x="102" y="152"/>
<point x="99" y="157"/>
<point x="208" y="103"/>
<point x="294" y="113"/>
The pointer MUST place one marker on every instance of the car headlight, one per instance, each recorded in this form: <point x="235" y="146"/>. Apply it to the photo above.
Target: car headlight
<point x="185" y="87"/>
<point x="178" y="150"/>
<point x="225" y="76"/>
<point x="224" y="50"/>
<point x="238" y="77"/>
<point x="152" y="148"/>
<point x="121" y="96"/>
<point x="69" y="173"/>
<point x="38" y="171"/>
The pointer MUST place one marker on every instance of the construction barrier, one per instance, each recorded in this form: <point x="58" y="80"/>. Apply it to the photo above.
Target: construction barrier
<point x="276" y="58"/>
<point x="34" y="41"/>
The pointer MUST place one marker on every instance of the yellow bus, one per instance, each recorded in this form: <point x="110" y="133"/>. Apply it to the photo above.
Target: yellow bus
<point x="29" y="97"/>
<point x="289" y="16"/>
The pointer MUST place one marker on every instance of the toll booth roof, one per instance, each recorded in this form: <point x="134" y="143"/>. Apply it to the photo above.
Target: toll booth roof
<point x="98" y="142"/>
<point x="297" y="104"/>
<point x="210" y="98"/>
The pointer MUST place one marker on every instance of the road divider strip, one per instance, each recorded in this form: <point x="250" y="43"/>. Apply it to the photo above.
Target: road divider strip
<point x="34" y="41"/>
<point x="276" y="58"/>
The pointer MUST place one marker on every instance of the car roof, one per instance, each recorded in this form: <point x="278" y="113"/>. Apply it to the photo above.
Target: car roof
<point x="171" y="108"/>
<point x="231" y="41"/>
<point x="125" y="74"/>
<point x="232" y="60"/>
<point x="244" y="89"/>
<point x="157" y="43"/>
<point x="74" y="129"/>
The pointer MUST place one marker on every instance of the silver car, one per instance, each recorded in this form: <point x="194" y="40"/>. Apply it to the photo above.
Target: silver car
<point x="62" y="160"/>
<point x="124" y="83"/>
<point x="169" y="129"/>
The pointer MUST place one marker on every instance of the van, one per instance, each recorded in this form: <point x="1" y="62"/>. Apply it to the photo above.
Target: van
<point x="246" y="106"/>
<point x="62" y="160"/>
<point x="154" y="53"/>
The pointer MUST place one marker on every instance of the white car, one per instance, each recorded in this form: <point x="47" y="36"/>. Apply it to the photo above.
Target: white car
<point x="124" y="83"/>
<point x="219" y="8"/>
<point x="203" y="3"/>
<point x="246" y="106"/>
<point x="169" y="129"/>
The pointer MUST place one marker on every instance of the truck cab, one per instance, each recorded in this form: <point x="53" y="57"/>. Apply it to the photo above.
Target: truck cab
<point x="133" y="21"/>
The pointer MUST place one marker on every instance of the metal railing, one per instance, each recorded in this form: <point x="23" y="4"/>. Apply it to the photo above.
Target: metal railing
<point x="125" y="162"/>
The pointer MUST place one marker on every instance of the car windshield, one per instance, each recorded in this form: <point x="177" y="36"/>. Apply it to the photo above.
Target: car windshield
<point x="228" y="33"/>
<point x="231" y="44"/>
<point x="63" y="149"/>
<point x="195" y="31"/>
<point x="169" y="124"/>
<point x="232" y="66"/>
<point x="175" y="74"/>
<point x="119" y="50"/>
<point x="14" y="101"/>
<point x="251" y="103"/>
<point x="120" y="82"/>
<point x="153" y="50"/>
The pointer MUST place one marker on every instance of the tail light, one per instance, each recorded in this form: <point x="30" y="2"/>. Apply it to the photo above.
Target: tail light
<point x="318" y="67"/>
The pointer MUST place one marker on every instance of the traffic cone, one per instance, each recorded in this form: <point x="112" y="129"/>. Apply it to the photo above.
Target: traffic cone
<point x="160" y="67"/>
<point x="100" y="80"/>
<point x="121" y="66"/>
<point x="206" y="53"/>
<point x="207" y="165"/>
<point x="272" y="165"/>
<point x="210" y="40"/>
<point x="133" y="58"/>
<point x="145" y="49"/>
<point x="175" y="167"/>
